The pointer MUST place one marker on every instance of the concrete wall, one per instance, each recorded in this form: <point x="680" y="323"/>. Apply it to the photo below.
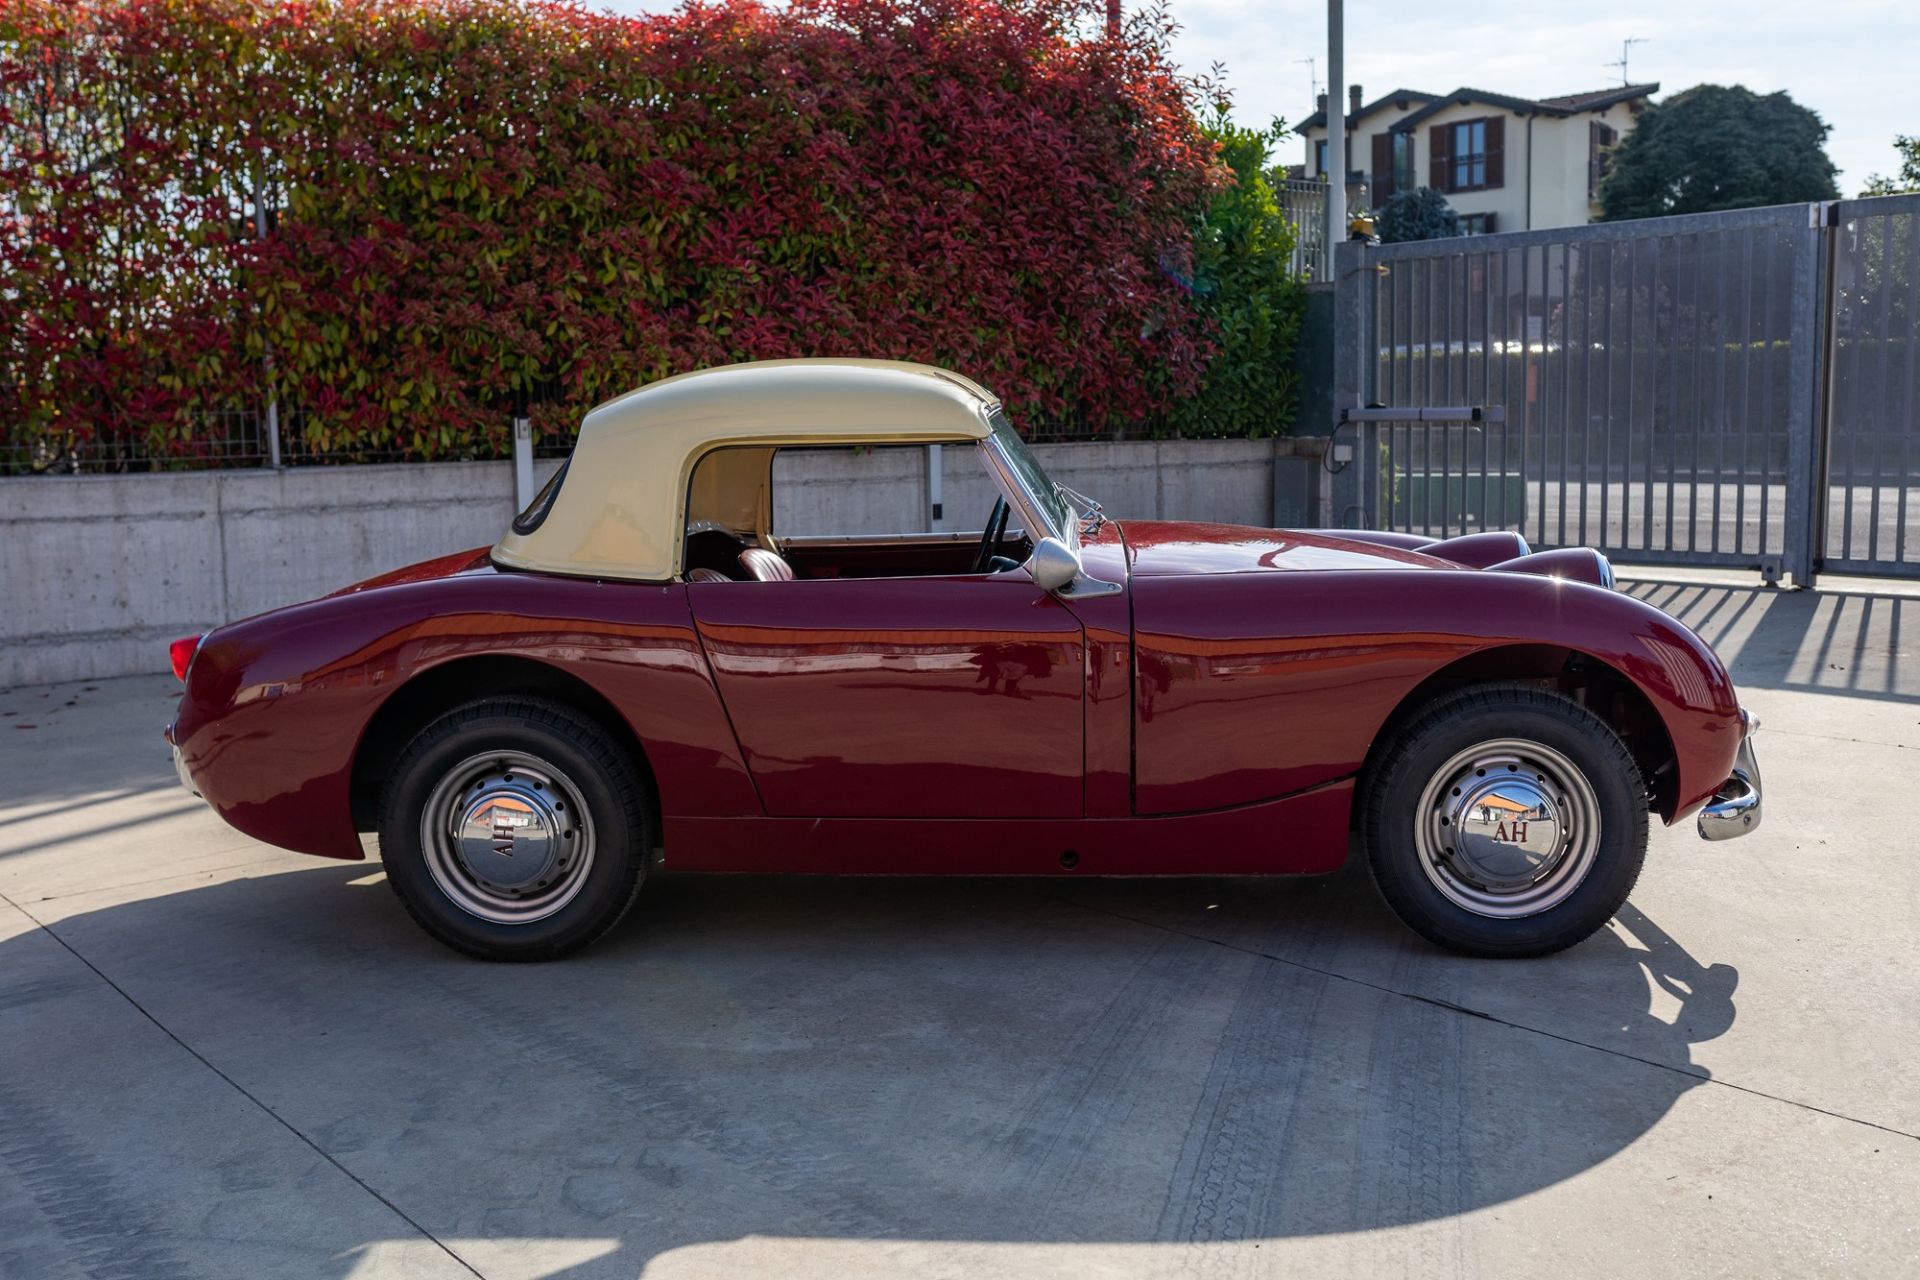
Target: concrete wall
<point x="98" y="573"/>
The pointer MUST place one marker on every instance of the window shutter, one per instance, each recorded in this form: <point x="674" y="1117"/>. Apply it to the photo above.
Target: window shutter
<point x="1496" y="151"/>
<point x="1440" y="157"/>
<point x="1493" y="224"/>
<point x="1599" y="138"/>
<point x="1382" y="167"/>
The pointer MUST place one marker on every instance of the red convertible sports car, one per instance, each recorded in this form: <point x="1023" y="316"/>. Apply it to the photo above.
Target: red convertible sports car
<point x="710" y="644"/>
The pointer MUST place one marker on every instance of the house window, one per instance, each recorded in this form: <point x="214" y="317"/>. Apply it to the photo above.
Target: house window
<point x="1469" y="155"/>
<point x="1320" y="158"/>
<point x="1392" y="165"/>
<point x="1478" y="224"/>
<point x="1600" y="142"/>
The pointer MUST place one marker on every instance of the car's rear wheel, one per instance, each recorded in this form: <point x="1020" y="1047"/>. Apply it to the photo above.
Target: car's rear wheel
<point x="514" y="829"/>
<point x="1505" y="820"/>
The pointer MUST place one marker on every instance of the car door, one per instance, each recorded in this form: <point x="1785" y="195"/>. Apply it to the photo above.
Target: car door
<point x="943" y="697"/>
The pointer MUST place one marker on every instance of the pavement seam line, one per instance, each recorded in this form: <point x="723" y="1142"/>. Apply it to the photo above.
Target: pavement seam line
<point x="243" y="1091"/>
<point x="1436" y="1002"/>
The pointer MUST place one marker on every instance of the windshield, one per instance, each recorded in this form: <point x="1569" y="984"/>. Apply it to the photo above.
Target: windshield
<point x="1027" y="469"/>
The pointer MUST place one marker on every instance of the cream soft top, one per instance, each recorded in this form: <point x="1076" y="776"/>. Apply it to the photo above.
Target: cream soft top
<point x="622" y="510"/>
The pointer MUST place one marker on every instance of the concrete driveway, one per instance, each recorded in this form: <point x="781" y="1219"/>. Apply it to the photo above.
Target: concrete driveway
<point x="220" y="1060"/>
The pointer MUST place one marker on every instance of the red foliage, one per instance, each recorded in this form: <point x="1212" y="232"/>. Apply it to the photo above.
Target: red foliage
<point x="473" y="204"/>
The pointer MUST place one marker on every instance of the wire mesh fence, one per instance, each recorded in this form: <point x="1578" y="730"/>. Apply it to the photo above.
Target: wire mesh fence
<point x="242" y="438"/>
<point x="222" y="439"/>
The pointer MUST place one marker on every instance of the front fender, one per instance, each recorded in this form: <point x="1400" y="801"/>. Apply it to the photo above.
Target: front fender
<point x="1256" y="685"/>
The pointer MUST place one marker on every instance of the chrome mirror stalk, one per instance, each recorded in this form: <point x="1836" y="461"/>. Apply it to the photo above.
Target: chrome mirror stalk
<point x="1056" y="567"/>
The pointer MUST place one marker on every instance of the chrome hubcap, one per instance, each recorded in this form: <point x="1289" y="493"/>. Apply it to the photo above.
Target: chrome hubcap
<point x="507" y="837"/>
<point x="1508" y="828"/>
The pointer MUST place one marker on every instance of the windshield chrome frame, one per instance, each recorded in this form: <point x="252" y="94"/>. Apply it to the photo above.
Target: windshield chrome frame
<point x="1013" y="484"/>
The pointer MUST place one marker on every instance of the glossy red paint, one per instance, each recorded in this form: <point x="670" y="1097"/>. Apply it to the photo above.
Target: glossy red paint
<point x="1210" y="717"/>
<point x="1165" y="548"/>
<point x="278" y="705"/>
<point x="1255" y="681"/>
<point x="1478" y="550"/>
<point x="943" y="697"/>
<point x="1581" y="564"/>
<point x="1304" y="834"/>
<point x="1108" y="623"/>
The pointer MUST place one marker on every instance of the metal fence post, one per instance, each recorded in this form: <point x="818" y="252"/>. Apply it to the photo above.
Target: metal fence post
<point x="1808" y="370"/>
<point x="936" y="504"/>
<point x="273" y="401"/>
<point x="1352" y="348"/>
<point x="522" y="463"/>
<point x="273" y="427"/>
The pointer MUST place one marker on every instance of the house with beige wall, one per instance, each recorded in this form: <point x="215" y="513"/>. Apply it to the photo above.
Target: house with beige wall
<point x="1503" y="163"/>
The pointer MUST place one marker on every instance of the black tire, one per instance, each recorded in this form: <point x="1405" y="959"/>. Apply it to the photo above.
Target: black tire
<point x="1433" y="740"/>
<point x="592" y="766"/>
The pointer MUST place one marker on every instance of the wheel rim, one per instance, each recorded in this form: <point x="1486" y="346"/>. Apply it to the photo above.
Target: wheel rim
<point x="507" y="837"/>
<point x="1507" y="828"/>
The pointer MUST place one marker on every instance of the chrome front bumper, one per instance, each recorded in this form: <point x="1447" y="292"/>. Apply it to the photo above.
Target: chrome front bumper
<point x="1735" y="807"/>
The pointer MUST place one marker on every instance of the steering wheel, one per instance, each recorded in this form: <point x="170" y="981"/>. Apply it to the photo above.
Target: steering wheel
<point x="991" y="535"/>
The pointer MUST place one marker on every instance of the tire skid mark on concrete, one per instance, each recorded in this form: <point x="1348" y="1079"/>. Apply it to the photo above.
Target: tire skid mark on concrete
<point x="1419" y="1166"/>
<point x="1417" y="1117"/>
<point x="15" y="995"/>
<point x="1230" y="1184"/>
<point x="108" y="1237"/>
<point x="776" y="1156"/>
<point x="1109" y="1071"/>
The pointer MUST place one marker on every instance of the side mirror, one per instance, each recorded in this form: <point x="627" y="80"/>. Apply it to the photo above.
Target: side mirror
<point x="1056" y="567"/>
<point x="1053" y="564"/>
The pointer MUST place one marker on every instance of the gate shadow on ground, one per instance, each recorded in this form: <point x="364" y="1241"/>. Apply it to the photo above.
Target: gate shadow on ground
<point x="1834" y="642"/>
<point x="893" y="1061"/>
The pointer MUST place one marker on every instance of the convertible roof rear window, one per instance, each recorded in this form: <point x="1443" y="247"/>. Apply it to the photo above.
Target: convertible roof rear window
<point x="529" y="520"/>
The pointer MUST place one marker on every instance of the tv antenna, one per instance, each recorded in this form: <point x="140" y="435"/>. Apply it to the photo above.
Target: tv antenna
<point x="1313" y="77"/>
<point x="1626" y="52"/>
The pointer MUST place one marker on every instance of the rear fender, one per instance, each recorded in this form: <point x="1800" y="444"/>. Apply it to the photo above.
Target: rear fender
<point x="277" y="707"/>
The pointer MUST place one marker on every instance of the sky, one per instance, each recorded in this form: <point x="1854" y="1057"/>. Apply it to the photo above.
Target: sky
<point x="1852" y="61"/>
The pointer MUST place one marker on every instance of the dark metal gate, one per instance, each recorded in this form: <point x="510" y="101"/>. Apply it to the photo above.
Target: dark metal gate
<point x="1733" y="389"/>
<point x="1871" y="487"/>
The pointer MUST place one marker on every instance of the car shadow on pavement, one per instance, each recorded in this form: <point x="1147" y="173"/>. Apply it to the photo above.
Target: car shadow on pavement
<point x="896" y="1061"/>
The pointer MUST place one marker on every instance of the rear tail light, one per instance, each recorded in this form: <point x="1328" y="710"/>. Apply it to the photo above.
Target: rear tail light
<point x="180" y="653"/>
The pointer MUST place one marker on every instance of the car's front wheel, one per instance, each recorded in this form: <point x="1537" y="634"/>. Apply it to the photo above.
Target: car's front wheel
<point x="1505" y="820"/>
<point x="514" y="829"/>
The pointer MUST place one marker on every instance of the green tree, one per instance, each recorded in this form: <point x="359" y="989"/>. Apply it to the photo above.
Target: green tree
<point x="1244" y="281"/>
<point x="1417" y="214"/>
<point x="1908" y="179"/>
<point x="1718" y="147"/>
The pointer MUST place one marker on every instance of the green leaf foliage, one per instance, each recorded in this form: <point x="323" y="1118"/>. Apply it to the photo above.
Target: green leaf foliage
<point x="1907" y="179"/>
<point x="1716" y="147"/>
<point x="1420" y="213"/>
<point x="405" y="221"/>
<point x="1245" y="284"/>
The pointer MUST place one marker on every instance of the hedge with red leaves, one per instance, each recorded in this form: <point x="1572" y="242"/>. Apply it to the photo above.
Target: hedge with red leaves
<point x="408" y="217"/>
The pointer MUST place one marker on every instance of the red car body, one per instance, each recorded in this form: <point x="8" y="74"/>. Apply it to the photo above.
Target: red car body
<point x="1211" y="716"/>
